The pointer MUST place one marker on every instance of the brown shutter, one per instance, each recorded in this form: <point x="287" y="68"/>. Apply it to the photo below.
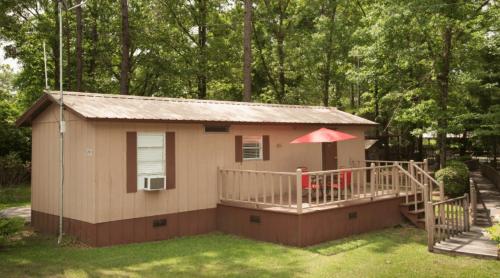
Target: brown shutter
<point x="170" y="159"/>
<point x="265" y="147"/>
<point x="131" y="162"/>
<point x="238" y="148"/>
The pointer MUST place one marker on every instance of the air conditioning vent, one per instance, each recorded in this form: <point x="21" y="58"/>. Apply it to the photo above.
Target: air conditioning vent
<point x="153" y="183"/>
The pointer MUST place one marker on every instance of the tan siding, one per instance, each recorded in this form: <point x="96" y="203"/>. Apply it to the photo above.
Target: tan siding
<point x="79" y="188"/>
<point x="198" y="154"/>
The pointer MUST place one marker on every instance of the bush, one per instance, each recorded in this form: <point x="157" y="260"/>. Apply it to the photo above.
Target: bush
<point x="494" y="232"/>
<point x="8" y="227"/>
<point x="455" y="177"/>
<point x="13" y="170"/>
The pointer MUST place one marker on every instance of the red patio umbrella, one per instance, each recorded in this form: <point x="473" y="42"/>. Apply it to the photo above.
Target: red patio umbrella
<point x="323" y="135"/>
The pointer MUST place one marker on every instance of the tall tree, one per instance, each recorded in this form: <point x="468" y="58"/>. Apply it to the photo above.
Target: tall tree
<point x="79" y="48"/>
<point x="125" y="56"/>
<point x="247" y="52"/>
<point x="202" y="43"/>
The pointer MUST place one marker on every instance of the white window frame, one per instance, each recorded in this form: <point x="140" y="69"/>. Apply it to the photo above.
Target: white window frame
<point x="141" y="176"/>
<point x="253" y="139"/>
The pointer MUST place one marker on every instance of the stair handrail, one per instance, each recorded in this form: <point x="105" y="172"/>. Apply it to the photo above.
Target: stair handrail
<point x="412" y="178"/>
<point x="433" y="181"/>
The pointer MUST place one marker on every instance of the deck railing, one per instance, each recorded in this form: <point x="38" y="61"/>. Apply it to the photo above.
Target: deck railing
<point x="403" y="163"/>
<point x="321" y="188"/>
<point x="445" y="219"/>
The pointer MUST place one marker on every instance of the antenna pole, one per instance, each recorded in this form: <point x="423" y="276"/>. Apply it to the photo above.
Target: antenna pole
<point x="62" y="127"/>
<point x="45" y="66"/>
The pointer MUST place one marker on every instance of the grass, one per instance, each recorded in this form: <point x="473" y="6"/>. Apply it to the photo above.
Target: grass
<point x="388" y="253"/>
<point x="14" y="196"/>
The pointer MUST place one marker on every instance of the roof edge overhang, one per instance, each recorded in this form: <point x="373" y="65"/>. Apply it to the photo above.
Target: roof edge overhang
<point x="47" y="99"/>
<point x="40" y="104"/>
<point x="373" y="124"/>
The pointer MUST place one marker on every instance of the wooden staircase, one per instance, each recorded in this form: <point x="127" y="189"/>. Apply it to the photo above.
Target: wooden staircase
<point x="414" y="216"/>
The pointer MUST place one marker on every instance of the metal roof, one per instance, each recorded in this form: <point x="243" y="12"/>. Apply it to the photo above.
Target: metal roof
<point x="120" y="107"/>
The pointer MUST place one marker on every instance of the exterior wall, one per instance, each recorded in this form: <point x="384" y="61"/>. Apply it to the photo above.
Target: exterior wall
<point x="309" y="228"/>
<point x="79" y="166"/>
<point x="95" y="165"/>
<point x="198" y="154"/>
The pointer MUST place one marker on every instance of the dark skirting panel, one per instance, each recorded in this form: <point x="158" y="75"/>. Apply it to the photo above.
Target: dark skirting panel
<point x="278" y="227"/>
<point x="309" y="228"/>
<point x="142" y="229"/>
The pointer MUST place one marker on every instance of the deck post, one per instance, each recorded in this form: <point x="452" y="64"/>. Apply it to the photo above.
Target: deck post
<point x="473" y="201"/>
<point x="426" y="170"/>
<point x="299" y="190"/>
<point x="429" y="225"/>
<point x="395" y="178"/>
<point x="466" y="213"/>
<point x="441" y="191"/>
<point x="372" y="180"/>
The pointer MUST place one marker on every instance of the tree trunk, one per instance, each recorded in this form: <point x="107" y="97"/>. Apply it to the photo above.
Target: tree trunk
<point x="67" y="34"/>
<point x="94" y="36"/>
<point x="247" y="52"/>
<point x="281" y="63"/>
<point x="79" y="48"/>
<point x="327" y="71"/>
<point x="55" y="45"/>
<point x="125" y="62"/>
<point x="420" y="147"/>
<point x="202" y="44"/>
<point x="443" y="79"/>
<point x="464" y="144"/>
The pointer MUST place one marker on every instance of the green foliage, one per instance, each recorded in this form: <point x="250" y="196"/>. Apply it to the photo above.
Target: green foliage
<point x="12" y="139"/>
<point x="494" y="232"/>
<point x="379" y="59"/>
<point x="9" y="227"/>
<point x="15" y="196"/>
<point x="13" y="170"/>
<point x="455" y="177"/>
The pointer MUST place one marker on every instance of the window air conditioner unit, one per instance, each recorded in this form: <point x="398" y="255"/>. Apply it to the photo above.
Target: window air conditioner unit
<point x="153" y="183"/>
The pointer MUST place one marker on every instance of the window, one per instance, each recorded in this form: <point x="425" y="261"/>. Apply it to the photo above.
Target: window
<point x="252" y="147"/>
<point x="151" y="161"/>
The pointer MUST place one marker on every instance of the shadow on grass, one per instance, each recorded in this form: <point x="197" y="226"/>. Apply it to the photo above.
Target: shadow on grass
<point x="383" y="241"/>
<point x="212" y="255"/>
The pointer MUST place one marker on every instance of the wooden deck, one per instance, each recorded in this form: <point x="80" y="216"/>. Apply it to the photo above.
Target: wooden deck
<point x="472" y="243"/>
<point x="310" y="207"/>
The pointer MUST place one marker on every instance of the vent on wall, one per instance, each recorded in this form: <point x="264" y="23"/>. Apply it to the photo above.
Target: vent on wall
<point x="254" y="219"/>
<point x="353" y="215"/>
<point x="159" y="222"/>
<point x="217" y="128"/>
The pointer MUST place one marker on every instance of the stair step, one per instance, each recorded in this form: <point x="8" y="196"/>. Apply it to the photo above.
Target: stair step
<point x="417" y="211"/>
<point x="421" y="219"/>
<point x="412" y="203"/>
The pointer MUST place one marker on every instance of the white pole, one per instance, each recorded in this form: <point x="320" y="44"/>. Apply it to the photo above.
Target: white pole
<point x="61" y="128"/>
<point x="45" y="66"/>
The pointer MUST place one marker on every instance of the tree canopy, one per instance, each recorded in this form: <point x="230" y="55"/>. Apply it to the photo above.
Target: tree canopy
<point x="413" y="66"/>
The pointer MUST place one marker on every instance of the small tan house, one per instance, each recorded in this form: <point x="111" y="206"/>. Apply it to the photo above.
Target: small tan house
<point x="151" y="168"/>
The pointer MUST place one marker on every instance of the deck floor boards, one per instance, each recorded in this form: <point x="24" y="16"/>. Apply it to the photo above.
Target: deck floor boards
<point x="473" y="243"/>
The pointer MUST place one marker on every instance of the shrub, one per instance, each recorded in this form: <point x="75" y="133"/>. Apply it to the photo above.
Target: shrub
<point x="455" y="177"/>
<point x="494" y="232"/>
<point x="8" y="227"/>
<point x="13" y="170"/>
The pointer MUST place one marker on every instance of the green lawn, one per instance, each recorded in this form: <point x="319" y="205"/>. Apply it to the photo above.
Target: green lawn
<point x="14" y="196"/>
<point x="398" y="252"/>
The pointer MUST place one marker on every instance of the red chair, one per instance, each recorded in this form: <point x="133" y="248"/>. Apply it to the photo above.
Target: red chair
<point x="345" y="180"/>
<point x="306" y="184"/>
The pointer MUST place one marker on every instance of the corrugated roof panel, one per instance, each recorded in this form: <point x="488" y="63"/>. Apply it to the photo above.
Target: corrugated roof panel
<point x="105" y="106"/>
